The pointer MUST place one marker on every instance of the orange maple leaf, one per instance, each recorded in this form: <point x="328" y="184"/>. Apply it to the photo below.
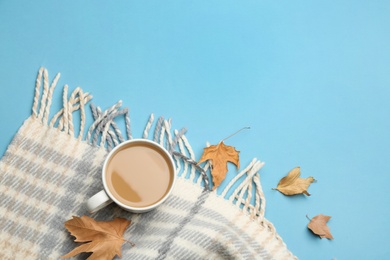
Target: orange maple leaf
<point x="219" y="155"/>
<point x="104" y="238"/>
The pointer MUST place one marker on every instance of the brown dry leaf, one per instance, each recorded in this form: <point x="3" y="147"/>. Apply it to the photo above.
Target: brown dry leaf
<point x="292" y="184"/>
<point x="104" y="238"/>
<point x="319" y="227"/>
<point x="219" y="155"/>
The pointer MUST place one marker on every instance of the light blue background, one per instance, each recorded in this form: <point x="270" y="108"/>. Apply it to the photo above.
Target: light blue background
<point x="311" y="78"/>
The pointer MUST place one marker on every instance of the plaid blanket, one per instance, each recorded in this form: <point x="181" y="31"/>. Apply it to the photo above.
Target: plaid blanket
<point x="48" y="172"/>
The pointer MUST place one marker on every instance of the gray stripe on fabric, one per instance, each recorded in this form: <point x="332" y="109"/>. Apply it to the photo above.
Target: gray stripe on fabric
<point x="24" y="209"/>
<point x="164" y="216"/>
<point x="48" y="153"/>
<point x="187" y="254"/>
<point x="161" y="213"/>
<point x="179" y="203"/>
<point x="29" y="234"/>
<point x="214" y="215"/>
<point x="208" y="242"/>
<point x="40" y="172"/>
<point x="234" y="229"/>
<point x="161" y="232"/>
<point x="157" y="230"/>
<point x="88" y="190"/>
<point x="13" y="203"/>
<point x="225" y="252"/>
<point x="194" y="210"/>
<point x="82" y="168"/>
<point x="149" y="222"/>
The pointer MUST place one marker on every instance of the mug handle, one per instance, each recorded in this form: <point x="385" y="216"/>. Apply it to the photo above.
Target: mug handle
<point x="98" y="201"/>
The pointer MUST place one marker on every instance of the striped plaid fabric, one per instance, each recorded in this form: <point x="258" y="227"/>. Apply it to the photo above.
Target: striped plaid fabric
<point x="47" y="174"/>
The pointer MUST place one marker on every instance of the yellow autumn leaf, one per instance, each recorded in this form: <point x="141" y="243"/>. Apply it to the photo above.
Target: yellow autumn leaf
<point x="220" y="155"/>
<point x="292" y="184"/>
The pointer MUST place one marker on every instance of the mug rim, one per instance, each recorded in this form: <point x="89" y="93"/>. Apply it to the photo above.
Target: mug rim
<point x="132" y="208"/>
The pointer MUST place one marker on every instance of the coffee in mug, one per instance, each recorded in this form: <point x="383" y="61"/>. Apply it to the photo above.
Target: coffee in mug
<point x="138" y="175"/>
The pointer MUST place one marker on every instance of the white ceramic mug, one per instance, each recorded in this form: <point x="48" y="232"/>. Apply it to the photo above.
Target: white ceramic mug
<point x="148" y="152"/>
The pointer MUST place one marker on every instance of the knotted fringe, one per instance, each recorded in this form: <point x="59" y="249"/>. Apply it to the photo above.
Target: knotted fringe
<point x="242" y="195"/>
<point x="105" y="127"/>
<point x="64" y="117"/>
<point x="104" y="132"/>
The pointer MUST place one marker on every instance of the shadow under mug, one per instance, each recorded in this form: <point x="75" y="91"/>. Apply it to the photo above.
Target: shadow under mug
<point x="134" y="170"/>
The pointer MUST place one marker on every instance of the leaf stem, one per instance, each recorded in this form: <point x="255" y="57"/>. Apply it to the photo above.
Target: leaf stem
<point x="131" y="243"/>
<point x="308" y="217"/>
<point x="246" y="127"/>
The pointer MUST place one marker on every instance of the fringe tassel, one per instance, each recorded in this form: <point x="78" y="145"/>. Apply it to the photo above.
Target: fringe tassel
<point x="148" y="126"/>
<point x="64" y="117"/>
<point x="106" y="129"/>
<point x="242" y="195"/>
<point x="46" y="99"/>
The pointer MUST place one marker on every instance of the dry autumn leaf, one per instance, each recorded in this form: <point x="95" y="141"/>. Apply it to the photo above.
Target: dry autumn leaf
<point x="103" y="238"/>
<point x="219" y="155"/>
<point x="319" y="227"/>
<point x="292" y="184"/>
